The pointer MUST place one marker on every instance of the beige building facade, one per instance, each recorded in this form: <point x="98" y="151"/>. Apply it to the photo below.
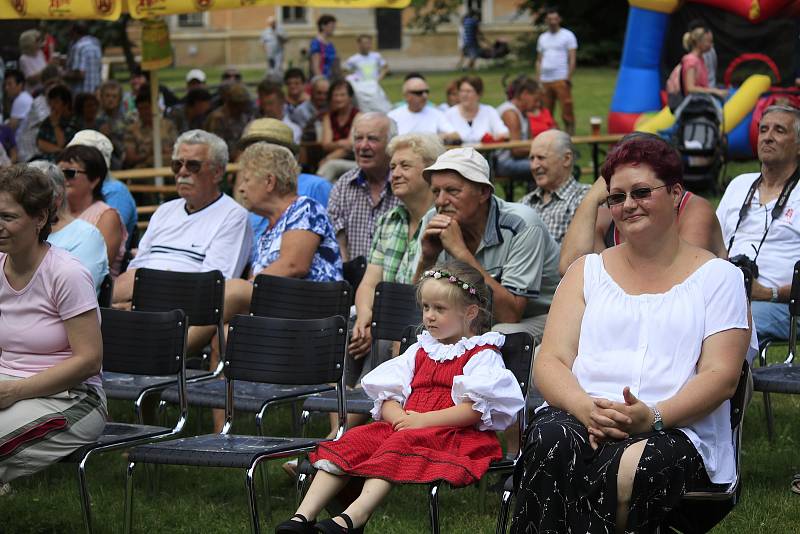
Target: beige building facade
<point x="232" y="37"/>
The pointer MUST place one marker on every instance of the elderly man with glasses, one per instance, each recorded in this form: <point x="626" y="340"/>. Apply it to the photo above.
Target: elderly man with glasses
<point x="201" y="231"/>
<point x="417" y="116"/>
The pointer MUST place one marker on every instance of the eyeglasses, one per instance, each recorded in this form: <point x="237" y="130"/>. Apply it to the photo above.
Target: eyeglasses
<point x="640" y="193"/>
<point x="70" y="174"/>
<point x="192" y="165"/>
<point x="231" y="76"/>
<point x="421" y="92"/>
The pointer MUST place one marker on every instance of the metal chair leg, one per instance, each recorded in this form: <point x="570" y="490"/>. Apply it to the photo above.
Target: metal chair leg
<point x="770" y="419"/>
<point x="128" y="498"/>
<point x="433" y="507"/>
<point x="502" y="516"/>
<point x="255" y="526"/>
<point x="86" y="504"/>
<point x="265" y="483"/>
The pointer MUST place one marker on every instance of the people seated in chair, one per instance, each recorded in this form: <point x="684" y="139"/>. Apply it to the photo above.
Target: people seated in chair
<point x="202" y="231"/>
<point x="78" y="237"/>
<point x="643" y="347"/>
<point x="416" y="116"/>
<point x="593" y="229"/>
<point x="362" y="195"/>
<point x="436" y="408"/>
<point x="557" y="193"/>
<point x="760" y="221"/>
<point x="51" y="352"/>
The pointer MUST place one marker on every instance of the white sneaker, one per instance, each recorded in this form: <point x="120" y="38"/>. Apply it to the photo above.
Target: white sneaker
<point x="5" y="489"/>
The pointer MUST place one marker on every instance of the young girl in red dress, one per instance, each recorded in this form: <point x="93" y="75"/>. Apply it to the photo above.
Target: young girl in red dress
<point x="437" y="407"/>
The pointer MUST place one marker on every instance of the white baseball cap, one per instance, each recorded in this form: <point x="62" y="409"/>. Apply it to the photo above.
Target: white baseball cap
<point x="466" y="161"/>
<point x="196" y="74"/>
<point x="97" y="140"/>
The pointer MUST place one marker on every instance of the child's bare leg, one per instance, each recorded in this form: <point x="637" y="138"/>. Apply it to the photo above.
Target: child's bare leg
<point x="324" y="487"/>
<point x="374" y="492"/>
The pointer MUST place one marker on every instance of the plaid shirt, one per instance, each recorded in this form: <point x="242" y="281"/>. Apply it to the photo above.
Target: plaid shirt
<point x="86" y="56"/>
<point x="351" y="210"/>
<point x="558" y="212"/>
<point x="391" y="247"/>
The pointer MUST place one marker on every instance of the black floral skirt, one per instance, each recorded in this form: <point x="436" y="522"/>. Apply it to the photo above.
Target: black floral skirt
<point x="563" y="485"/>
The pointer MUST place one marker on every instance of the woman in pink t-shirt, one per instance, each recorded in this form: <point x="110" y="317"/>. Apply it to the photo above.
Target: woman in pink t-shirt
<point x="84" y="168"/>
<point x="694" y="74"/>
<point x="51" y="396"/>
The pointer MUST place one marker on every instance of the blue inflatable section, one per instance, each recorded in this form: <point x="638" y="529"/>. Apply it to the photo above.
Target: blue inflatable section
<point x="638" y="87"/>
<point x="739" y="139"/>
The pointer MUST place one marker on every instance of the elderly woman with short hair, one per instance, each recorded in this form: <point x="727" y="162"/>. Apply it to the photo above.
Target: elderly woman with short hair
<point x="298" y="242"/>
<point x="78" y="237"/>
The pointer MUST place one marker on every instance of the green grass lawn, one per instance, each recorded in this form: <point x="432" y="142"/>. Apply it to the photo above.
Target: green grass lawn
<point x="213" y="500"/>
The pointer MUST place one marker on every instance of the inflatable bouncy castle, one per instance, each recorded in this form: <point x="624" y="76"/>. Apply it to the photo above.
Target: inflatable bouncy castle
<point x="756" y="43"/>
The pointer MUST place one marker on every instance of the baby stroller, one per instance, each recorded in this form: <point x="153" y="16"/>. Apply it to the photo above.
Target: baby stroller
<point x="699" y="137"/>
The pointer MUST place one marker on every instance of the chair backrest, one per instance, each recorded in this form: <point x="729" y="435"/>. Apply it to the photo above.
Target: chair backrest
<point x="286" y="351"/>
<point x="199" y="295"/>
<point x="794" y="295"/>
<point x="106" y="292"/>
<point x="353" y="271"/>
<point x="290" y="298"/>
<point x="393" y="309"/>
<point x="740" y="397"/>
<point x="145" y="343"/>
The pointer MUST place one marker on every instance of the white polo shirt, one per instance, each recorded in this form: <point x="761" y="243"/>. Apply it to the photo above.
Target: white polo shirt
<point x="428" y="120"/>
<point x="216" y="237"/>
<point x="780" y="250"/>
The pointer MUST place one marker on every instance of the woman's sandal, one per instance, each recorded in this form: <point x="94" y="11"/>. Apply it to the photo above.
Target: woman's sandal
<point x="329" y="526"/>
<point x="795" y="485"/>
<point x="304" y="526"/>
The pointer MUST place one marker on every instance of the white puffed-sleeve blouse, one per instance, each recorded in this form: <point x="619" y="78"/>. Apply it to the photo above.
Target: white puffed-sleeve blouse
<point x="486" y="382"/>
<point x="652" y="344"/>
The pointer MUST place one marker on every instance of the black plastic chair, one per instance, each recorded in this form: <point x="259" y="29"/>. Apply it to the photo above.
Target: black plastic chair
<point x="518" y="358"/>
<point x="782" y="377"/>
<point x="274" y="296"/>
<point x="692" y="515"/>
<point x="200" y="296"/>
<point x="353" y="271"/>
<point x="106" y="292"/>
<point x="394" y="310"/>
<point x="262" y="350"/>
<point x="136" y="343"/>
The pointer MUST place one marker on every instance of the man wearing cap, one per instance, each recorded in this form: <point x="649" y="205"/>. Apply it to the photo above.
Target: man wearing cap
<point x="418" y="117"/>
<point x="115" y="193"/>
<point x="195" y="79"/>
<point x="363" y="194"/>
<point x="308" y="185"/>
<point x="201" y="231"/>
<point x="229" y="120"/>
<point x="507" y="242"/>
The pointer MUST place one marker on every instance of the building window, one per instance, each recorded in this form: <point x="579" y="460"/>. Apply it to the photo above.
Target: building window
<point x="294" y="15"/>
<point x="191" y="20"/>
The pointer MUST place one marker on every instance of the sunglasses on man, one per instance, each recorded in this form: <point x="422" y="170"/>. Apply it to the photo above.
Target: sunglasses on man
<point x="640" y="193"/>
<point x="421" y="92"/>
<point x="192" y="165"/>
<point x="70" y="174"/>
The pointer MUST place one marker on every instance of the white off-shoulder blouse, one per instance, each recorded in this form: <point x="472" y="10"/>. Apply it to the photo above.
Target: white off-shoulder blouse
<point x="486" y="382"/>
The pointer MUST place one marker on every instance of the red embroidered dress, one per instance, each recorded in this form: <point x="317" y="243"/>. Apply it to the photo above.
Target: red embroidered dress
<point x="469" y="370"/>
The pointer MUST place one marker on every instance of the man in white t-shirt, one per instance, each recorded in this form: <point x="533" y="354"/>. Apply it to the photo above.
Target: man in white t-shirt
<point x="14" y="86"/>
<point x="555" y="65"/>
<point x="417" y="116"/>
<point x="273" y="39"/>
<point x="367" y="65"/>
<point x="763" y="218"/>
<point x="202" y="231"/>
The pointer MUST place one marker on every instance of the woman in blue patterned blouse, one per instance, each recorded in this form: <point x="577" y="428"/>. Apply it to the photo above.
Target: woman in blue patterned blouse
<point x="298" y="242"/>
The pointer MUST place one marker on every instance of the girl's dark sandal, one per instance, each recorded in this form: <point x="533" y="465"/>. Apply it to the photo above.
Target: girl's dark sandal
<point x="329" y="526"/>
<point x="304" y="526"/>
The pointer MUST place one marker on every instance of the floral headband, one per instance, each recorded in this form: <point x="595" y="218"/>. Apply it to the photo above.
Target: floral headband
<point x="466" y="286"/>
